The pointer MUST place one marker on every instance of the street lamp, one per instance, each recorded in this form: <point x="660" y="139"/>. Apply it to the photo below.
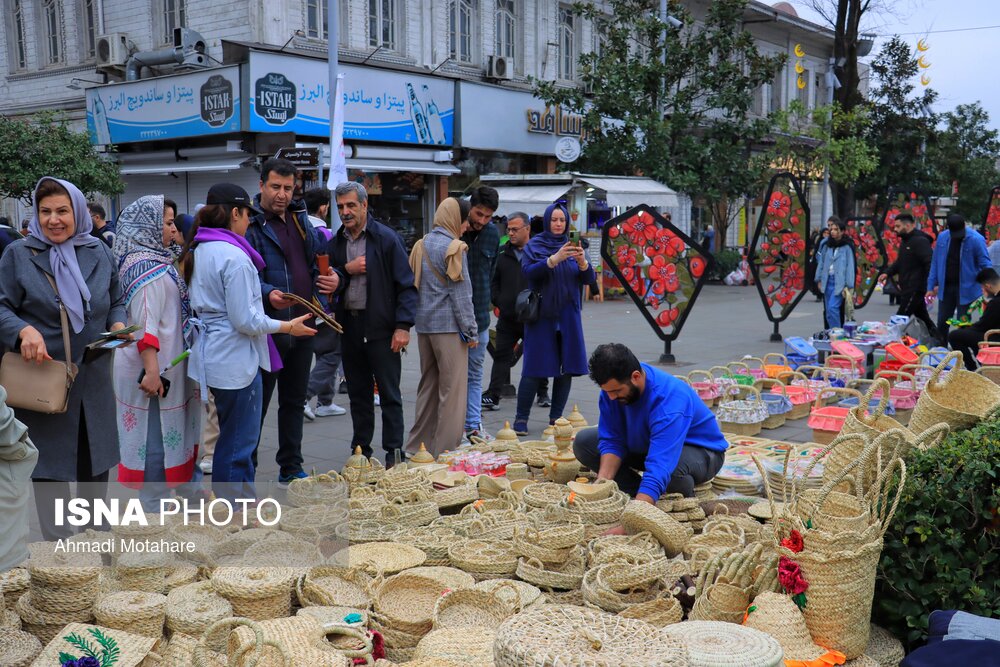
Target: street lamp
<point x="74" y="83"/>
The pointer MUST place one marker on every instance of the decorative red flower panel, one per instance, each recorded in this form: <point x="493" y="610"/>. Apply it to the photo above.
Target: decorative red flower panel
<point x="869" y="256"/>
<point x="991" y="230"/>
<point x="779" y="251"/>
<point x="914" y="203"/>
<point x="661" y="268"/>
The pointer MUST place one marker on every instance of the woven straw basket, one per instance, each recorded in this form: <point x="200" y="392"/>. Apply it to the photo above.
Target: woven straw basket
<point x="482" y="559"/>
<point x="19" y="649"/>
<point x="406" y="602"/>
<point x="137" y="612"/>
<point x="870" y="426"/>
<point x="470" y="608"/>
<point x="193" y="608"/>
<point x="331" y="586"/>
<point x="660" y="612"/>
<point x="565" y="635"/>
<point x="598" y="594"/>
<point x="961" y="400"/>
<point x="726" y="644"/>
<point x="641" y="517"/>
<point x="259" y="593"/>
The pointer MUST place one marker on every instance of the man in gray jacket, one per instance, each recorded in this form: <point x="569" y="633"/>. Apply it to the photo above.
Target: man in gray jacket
<point x="18" y="457"/>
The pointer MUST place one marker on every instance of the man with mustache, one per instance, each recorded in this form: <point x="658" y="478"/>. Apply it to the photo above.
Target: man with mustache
<point x="650" y="421"/>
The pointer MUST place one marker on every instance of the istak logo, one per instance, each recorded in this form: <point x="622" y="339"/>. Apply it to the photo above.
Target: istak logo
<point x="216" y="100"/>
<point x="275" y="97"/>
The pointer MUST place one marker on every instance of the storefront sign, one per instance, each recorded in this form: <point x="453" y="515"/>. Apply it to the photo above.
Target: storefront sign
<point x="169" y="107"/>
<point x="553" y="120"/>
<point x="291" y="94"/>
<point x="568" y="149"/>
<point x="306" y="158"/>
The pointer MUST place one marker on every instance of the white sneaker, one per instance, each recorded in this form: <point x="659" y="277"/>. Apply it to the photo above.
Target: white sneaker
<point x="206" y="465"/>
<point x="308" y="413"/>
<point x="332" y="410"/>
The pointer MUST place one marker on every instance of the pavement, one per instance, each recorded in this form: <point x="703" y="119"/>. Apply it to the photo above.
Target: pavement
<point x="725" y="324"/>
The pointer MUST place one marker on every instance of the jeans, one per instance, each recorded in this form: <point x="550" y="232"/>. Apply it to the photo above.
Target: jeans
<point x="528" y="389"/>
<point x="696" y="465"/>
<point x="292" y="381"/>
<point x="239" y="412"/>
<point x="508" y="333"/>
<point x="474" y="407"/>
<point x="365" y="363"/>
<point x="323" y="379"/>
<point x="947" y="306"/>
<point x="833" y="304"/>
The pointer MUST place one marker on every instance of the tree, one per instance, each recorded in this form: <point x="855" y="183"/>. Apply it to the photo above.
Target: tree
<point x="677" y="110"/>
<point x="808" y="141"/>
<point x="903" y="127"/>
<point x="47" y="146"/>
<point x="966" y="152"/>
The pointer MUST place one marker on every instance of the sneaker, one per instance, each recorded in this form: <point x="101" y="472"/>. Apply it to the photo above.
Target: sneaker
<point x="284" y="480"/>
<point x="206" y="465"/>
<point x="489" y="403"/>
<point x="477" y="433"/>
<point x="544" y="401"/>
<point x="332" y="410"/>
<point x="521" y="427"/>
<point x="308" y="413"/>
<point x="343" y="387"/>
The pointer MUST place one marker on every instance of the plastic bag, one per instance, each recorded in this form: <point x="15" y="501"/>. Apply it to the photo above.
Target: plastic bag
<point x="735" y="278"/>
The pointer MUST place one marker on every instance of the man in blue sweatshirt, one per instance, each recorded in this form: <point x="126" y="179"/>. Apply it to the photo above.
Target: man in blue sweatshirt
<point x="650" y="421"/>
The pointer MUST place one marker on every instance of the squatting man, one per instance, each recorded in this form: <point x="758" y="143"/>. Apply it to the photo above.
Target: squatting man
<point x="654" y="435"/>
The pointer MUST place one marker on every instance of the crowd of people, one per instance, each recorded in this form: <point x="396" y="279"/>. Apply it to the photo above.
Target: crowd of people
<point x="215" y="313"/>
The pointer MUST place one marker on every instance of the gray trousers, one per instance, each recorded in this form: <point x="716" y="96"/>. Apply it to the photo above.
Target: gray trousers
<point x="323" y="378"/>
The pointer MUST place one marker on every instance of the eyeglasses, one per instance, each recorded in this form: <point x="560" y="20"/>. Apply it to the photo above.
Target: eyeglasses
<point x="511" y="230"/>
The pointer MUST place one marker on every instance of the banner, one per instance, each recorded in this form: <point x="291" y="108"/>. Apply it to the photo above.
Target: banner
<point x="168" y="107"/>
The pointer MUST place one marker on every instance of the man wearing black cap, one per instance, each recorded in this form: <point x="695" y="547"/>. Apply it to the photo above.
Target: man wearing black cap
<point x="281" y="232"/>
<point x="959" y="256"/>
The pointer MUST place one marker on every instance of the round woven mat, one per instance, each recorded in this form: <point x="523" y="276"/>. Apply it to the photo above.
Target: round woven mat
<point x="389" y="557"/>
<point x="718" y="644"/>
<point x="565" y="635"/>
<point x="450" y="577"/>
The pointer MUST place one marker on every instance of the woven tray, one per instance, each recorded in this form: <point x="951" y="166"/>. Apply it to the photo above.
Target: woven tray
<point x="334" y="586"/>
<point x="458" y="646"/>
<point x="726" y="644"/>
<point x="375" y="557"/>
<point x="470" y="608"/>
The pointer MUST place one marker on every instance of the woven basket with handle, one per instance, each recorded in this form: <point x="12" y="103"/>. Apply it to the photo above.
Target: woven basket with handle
<point x="961" y="400"/>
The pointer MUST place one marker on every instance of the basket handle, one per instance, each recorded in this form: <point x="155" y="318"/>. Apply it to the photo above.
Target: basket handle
<point x="879" y="384"/>
<point x="347" y="631"/>
<point x="782" y="359"/>
<point x="198" y="656"/>
<point x="989" y="334"/>
<point x="900" y="376"/>
<point x="705" y="375"/>
<point x="737" y="391"/>
<point x="932" y="436"/>
<point x="771" y="383"/>
<point x="793" y="375"/>
<point x="738" y="367"/>
<point x="825" y="393"/>
<point x="516" y="605"/>
<point x="757" y="361"/>
<point x="935" y="383"/>
<point x="723" y="371"/>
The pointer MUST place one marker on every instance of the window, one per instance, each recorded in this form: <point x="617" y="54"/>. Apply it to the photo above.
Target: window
<point x="174" y="16"/>
<point x="600" y="33"/>
<point x="567" y="43"/>
<point x="757" y="108"/>
<point x="382" y="24"/>
<point x="316" y="25"/>
<point x="506" y="26"/>
<point x="776" y="84"/>
<point x="20" y="45"/>
<point x="460" y="14"/>
<point x="88" y="19"/>
<point x="52" y="32"/>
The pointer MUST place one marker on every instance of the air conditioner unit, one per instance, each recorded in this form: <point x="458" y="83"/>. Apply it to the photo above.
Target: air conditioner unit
<point x="112" y="50"/>
<point x="500" y="68"/>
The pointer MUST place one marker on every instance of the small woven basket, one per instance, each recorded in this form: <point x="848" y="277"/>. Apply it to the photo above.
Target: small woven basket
<point x="470" y="608"/>
<point x="19" y="649"/>
<point x="193" y="608"/>
<point x="961" y="400"/>
<point x="721" y="602"/>
<point x="257" y="593"/>
<point x="598" y="594"/>
<point x="641" y="517"/>
<point x="330" y="586"/>
<point x="461" y="646"/>
<point x="406" y="602"/>
<point x="660" y="612"/>
<point x="567" y="576"/>
<point x="115" y="647"/>
<point x="483" y="560"/>
<point x="140" y="613"/>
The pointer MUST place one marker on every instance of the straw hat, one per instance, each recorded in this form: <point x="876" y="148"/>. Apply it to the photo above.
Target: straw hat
<point x="779" y="617"/>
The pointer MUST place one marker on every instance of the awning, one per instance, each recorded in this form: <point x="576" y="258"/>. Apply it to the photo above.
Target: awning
<point x="530" y="199"/>
<point x="417" y="166"/>
<point x="627" y="191"/>
<point x="182" y="166"/>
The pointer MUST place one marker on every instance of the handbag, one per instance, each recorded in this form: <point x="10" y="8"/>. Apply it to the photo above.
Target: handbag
<point x="528" y="306"/>
<point x="40" y="387"/>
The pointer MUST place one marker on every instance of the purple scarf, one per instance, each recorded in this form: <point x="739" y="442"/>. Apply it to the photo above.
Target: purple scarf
<point x="212" y="234"/>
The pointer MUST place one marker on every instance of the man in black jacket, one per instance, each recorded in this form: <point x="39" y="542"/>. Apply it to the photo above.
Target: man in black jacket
<point x="910" y="270"/>
<point x="967" y="338"/>
<point x="376" y="305"/>
<point x="508" y="281"/>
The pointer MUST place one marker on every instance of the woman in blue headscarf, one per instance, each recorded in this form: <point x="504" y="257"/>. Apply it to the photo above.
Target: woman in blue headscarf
<point x="158" y="429"/>
<point x="80" y="444"/>
<point x="553" y="346"/>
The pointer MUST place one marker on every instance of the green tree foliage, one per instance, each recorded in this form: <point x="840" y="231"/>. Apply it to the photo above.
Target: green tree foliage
<point x="47" y="146"/>
<point x="807" y="141"/>
<point x="676" y="110"/>
<point x="903" y="127"/>
<point x="967" y="151"/>
<point x="942" y="550"/>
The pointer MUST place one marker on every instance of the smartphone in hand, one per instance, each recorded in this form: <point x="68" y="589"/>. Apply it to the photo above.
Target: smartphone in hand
<point x="164" y="381"/>
<point x="574" y="236"/>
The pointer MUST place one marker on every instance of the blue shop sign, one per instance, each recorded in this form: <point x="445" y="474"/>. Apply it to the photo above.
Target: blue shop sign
<point x="291" y="94"/>
<point x="169" y="107"/>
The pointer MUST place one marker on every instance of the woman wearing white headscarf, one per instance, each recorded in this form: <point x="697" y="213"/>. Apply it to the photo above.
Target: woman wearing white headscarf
<point x="80" y="444"/>
<point x="158" y="428"/>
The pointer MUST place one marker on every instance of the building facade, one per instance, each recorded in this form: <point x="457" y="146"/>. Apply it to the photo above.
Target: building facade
<point x="437" y="91"/>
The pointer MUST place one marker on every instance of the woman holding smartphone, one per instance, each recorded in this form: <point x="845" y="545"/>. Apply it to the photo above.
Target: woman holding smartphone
<point x="158" y="411"/>
<point x="232" y="339"/>
<point x="556" y="268"/>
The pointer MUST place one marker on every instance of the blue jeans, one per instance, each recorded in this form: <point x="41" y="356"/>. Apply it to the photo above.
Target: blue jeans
<point x="834" y="302"/>
<point x="239" y="429"/>
<point x="528" y="389"/>
<point x="474" y="404"/>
